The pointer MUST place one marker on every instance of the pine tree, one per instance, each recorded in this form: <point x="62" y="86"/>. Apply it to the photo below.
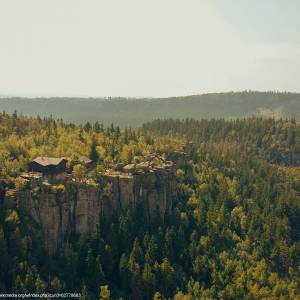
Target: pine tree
<point x="94" y="156"/>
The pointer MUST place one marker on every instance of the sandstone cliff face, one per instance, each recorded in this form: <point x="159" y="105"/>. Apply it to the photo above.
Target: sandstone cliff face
<point x="78" y="208"/>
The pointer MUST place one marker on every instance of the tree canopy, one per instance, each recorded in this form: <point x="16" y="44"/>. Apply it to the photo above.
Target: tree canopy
<point x="233" y="233"/>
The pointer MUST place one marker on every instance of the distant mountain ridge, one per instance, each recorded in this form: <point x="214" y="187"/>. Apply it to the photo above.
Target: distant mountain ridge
<point x="135" y="111"/>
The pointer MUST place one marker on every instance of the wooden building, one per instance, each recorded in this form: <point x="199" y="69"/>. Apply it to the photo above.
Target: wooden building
<point x="48" y="165"/>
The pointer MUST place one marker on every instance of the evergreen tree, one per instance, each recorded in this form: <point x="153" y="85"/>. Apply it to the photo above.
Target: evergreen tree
<point x="94" y="156"/>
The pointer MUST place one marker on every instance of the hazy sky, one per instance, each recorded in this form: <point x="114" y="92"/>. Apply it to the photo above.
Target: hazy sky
<point x="148" y="47"/>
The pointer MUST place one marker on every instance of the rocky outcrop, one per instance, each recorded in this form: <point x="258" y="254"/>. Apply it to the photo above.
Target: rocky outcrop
<point x="78" y="207"/>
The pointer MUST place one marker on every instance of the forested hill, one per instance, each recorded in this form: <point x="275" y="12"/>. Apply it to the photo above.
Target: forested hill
<point x="133" y="112"/>
<point x="276" y="141"/>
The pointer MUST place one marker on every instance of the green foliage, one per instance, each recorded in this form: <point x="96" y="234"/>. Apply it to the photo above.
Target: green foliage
<point x="13" y="218"/>
<point x="23" y="139"/>
<point x="233" y="232"/>
<point x="94" y="156"/>
<point x="60" y="187"/>
<point x="104" y="292"/>
<point x="79" y="172"/>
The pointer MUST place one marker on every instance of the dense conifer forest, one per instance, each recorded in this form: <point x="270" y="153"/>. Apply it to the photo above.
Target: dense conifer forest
<point x="234" y="229"/>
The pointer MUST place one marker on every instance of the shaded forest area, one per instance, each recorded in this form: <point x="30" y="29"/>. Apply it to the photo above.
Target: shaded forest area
<point x="127" y="112"/>
<point x="233" y="232"/>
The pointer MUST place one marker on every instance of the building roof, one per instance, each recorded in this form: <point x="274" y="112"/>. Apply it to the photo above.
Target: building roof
<point x="48" y="161"/>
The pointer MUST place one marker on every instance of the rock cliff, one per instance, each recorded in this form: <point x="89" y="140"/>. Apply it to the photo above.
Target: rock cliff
<point x="73" y="207"/>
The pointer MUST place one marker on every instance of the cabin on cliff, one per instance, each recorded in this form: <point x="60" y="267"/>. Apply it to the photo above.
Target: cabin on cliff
<point x="48" y="165"/>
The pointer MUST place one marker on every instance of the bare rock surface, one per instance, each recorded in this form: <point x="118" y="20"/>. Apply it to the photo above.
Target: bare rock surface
<point x="78" y="207"/>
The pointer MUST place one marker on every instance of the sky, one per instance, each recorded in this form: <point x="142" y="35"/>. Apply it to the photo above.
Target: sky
<point x="143" y="48"/>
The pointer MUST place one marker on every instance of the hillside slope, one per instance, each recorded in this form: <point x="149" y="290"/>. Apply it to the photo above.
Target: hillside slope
<point x="133" y="112"/>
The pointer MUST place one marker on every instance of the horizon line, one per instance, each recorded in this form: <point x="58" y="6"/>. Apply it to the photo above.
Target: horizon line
<point x="24" y="96"/>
